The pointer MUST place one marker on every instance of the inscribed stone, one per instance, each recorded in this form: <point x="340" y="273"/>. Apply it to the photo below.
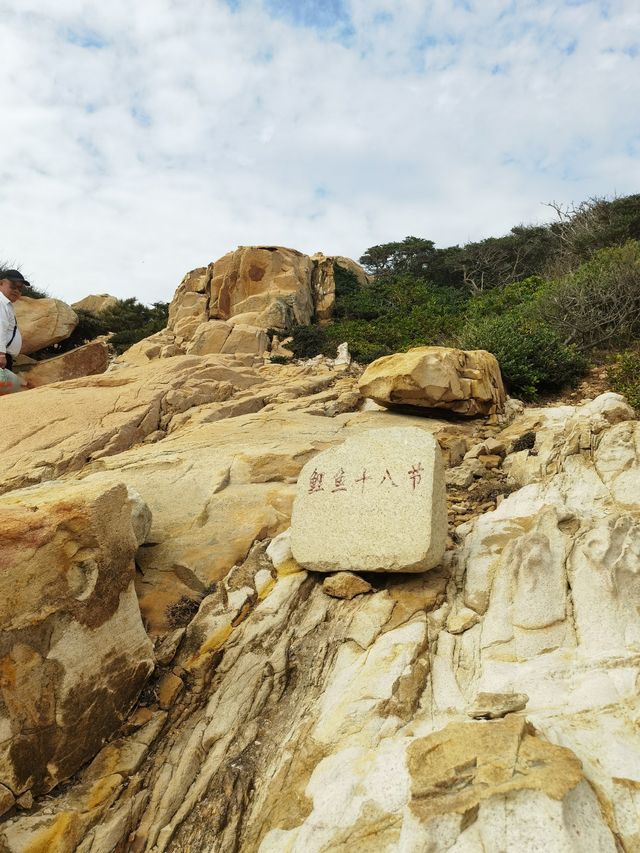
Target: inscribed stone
<point x="376" y="503"/>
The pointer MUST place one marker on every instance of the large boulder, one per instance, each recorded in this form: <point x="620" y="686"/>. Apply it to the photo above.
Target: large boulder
<point x="95" y="304"/>
<point x="250" y="290"/>
<point x="73" y="652"/>
<point x="272" y="284"/>
<point x="465" y="382"/>
<point x="44" y="322"/>
<point x="86" y="360"/>
<point x="376" y="503"/>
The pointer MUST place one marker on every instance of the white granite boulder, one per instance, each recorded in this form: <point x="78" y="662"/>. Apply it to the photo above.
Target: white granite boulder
<point x="375" y="503"/>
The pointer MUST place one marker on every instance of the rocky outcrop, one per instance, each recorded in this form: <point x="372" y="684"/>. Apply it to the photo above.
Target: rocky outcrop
<point x="229" y="305"/>
<point x="465" y="382"/>
<point x="73" y="654"/>
<point x="96" y="303"/>
<point x="85" y="360"/>
<point x="490" y="703"/>
<point x="375" y="504"/>
<point x="43" y="322"/>
<point x="323" y="281"/>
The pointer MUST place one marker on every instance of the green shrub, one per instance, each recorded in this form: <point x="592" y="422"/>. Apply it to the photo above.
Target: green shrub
<point x="392" y="314"/>
<point x="624" y="377"/>
<point x="500" y="299"/>
<point x="532" y="356"/>
<point x="308" y="341"/>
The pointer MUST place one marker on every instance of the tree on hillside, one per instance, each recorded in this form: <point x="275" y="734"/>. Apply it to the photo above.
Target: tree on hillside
<point x="411" y="255"/>
<point x="498" y="261"/>
<point x="581" y="230"/>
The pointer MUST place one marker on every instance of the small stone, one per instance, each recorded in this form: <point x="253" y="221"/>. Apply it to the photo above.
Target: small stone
<point x="462" y="476"/>
<point x="345" y="585"/>
<point x="279" y="549"/>
<point x="495" y="447"/>
<point x="492" y="706"/>
<point x="462" y="620"/>
<point x="25" y="801"/>
<point x="169" y="689"/>
<point x="490" y="461"/>
<point x="166" y="649"/>
<point x="7" y="800"/>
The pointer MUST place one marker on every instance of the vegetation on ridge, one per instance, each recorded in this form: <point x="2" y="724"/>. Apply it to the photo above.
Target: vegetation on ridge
<point x="543" y="298"/>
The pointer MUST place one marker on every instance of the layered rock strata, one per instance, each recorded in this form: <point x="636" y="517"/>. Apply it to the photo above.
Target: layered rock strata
<point x="281" y="718"/>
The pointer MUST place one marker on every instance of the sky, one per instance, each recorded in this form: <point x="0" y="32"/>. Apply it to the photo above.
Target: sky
<point x="141" y="140"/>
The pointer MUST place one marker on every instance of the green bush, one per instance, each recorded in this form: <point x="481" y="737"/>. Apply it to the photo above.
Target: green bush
<point x="624" y="376"/>
<point x="532" y="356"/>
<point x="500" y="299"/>
<point x="392" y="314"/>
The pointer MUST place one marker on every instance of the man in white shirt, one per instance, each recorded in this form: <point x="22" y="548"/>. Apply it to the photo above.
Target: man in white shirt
<point x="12" y="284"/>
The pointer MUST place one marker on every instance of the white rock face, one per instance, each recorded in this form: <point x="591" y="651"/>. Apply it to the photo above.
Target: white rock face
<point x="377" y="503"/>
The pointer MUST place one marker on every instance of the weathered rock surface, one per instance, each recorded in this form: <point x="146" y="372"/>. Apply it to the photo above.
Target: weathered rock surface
<point x="345" y="585"/>
<point x="87" y="360"/>
<point x="43" y="322"/>
<point x="228" y="305"/>
<point x="96" y="303"/>
<point x="73" y="652"/>
<point x="376" y="504"/>
<point x="56" y="429"/>
<point x="308" y="723"/>
<point x="465" y="382"/>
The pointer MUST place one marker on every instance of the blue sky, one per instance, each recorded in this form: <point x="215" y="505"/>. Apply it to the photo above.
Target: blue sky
<point x="147" y="139"/>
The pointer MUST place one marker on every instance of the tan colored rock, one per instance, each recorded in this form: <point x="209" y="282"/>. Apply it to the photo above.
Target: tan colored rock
<point x="97" y="416"/>
<point x="264" y="279"/>
<point x="458" y="771"/>
<point x="345" y="585"/>
<point x="95" y="304"/>
<point x="169" y="689"/>
<point x="376" y="503"/>
<point x="490" y="461"/>
<point x="25" y="801"/>
<point x="87" y="360"/>
<point x="461" y="621"/>
<point x="246" y="339"/>
<point x="7" y="800"/>
<point x="74" y="653"/>
<point x="43" y="322"/>
<point x="492" y="706"/>
<point x="146" y="350"/>
<point x="465" y="382"/>
<point x="209" y="337"/>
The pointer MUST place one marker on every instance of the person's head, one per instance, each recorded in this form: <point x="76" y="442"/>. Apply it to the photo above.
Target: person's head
<point x="12" y="283"/>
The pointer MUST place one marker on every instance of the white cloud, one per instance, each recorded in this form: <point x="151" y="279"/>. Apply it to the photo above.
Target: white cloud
<point x="141" y="140"/>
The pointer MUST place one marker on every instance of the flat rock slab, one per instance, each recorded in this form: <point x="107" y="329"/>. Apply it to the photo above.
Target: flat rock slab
<point x="376" y="503"/>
